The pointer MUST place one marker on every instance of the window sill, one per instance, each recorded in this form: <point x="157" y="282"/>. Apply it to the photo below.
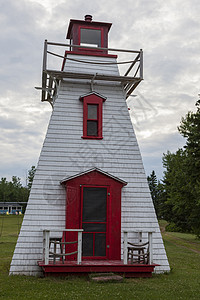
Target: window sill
<point x="92" y="137"/>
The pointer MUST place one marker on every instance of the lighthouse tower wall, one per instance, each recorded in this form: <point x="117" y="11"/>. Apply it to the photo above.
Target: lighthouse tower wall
<point x="65" y="153"/>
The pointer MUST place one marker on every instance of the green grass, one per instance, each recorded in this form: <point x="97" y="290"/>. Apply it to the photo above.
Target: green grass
<point x="183" y="282"/>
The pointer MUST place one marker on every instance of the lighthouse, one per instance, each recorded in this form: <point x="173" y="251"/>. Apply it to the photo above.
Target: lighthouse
<point x="90" y="208"/>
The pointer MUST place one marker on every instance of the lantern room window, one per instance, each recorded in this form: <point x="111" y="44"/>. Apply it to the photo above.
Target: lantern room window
<point x="92" y="116"/>
<point x="87" y="34"/>
<point x="90" y="37"/>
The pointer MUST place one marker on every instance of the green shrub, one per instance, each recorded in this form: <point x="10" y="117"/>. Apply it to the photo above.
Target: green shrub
<point x="172" y="227"/>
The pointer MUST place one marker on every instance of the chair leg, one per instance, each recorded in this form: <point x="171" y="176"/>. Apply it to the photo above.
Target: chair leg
<point x="131" y="256"/>
<point x="54" y="255"/>
<point x="61" y="252"/>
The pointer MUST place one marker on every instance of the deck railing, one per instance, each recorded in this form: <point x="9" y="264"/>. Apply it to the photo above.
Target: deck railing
<point x="139" y="246"/>
<point x="46" y="243"/>
<point x="53" y="59"/>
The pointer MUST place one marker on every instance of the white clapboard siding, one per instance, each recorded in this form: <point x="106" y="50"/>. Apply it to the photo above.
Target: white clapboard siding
<point x="65" y="153"/>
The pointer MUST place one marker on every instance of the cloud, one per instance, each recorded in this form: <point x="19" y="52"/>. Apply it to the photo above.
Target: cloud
<point x="167" y="31"/>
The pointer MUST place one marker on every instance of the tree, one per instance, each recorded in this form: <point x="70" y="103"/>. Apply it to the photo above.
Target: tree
<point x="4" y="190"/>
<point x="182" y="177"/>
<point x="31" y="174"/>
<point x="178" y="196"/>
<point x="153" y="183"/>
<point x="157" y="193"/>
<point x="13" y="191"/>
<point x="190" y="129"/>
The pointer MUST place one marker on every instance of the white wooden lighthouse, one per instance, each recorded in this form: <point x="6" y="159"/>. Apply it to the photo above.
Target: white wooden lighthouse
<point x="90" y="207"/>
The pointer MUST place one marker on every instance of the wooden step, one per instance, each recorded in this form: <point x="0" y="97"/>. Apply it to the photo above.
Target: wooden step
<point x="105" y="277"/>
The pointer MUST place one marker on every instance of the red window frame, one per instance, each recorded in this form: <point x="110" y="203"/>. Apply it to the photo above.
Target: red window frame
<point x="96" y="100"/>
<point x="93" y="28"/>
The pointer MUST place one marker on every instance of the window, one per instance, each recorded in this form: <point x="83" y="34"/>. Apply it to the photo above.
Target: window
<point x="90" y="37"/>
<point x="92" y="120"/>
<point x="92" y="116"/>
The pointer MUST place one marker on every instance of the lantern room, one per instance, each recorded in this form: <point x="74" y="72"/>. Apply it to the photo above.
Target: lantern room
<point x="88" y="33"/>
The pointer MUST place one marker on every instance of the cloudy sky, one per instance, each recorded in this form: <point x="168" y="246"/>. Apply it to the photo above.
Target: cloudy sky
<point x="167" y="31"/>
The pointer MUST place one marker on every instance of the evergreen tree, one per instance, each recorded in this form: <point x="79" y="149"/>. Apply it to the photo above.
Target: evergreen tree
<point x="182" y="177"/>
<point x="157" y="193"/>
<point x="190" y="129"/>
<point x="153" y="182"/>
<point x="178" y="195"/>
<point x="31" y="174"/>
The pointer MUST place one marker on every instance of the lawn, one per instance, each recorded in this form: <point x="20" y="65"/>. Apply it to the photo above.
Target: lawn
<point x="183" y="282"/>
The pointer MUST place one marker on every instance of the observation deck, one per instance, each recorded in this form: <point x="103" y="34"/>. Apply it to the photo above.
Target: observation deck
<point x="131" y="68"/>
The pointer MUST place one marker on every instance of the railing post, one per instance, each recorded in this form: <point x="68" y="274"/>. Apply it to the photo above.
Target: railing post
<point x="46" y="235"/>
<point x="45" y="56"/>
<point x="125" y="247"/>
<point x="44" y="75"/>
<point x="79" y="255"/>
<point x="150" y="248"/>
<point x="140" y="237"/>
<point x="141" y="64"/>
<point x="44" y="239"/>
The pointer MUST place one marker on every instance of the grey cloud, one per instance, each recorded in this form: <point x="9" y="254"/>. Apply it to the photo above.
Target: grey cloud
<point x="9" y="123"/>
<point x="167" y="31"/>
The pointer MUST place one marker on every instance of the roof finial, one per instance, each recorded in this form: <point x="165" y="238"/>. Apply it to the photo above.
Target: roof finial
<point x="88" y="18"/>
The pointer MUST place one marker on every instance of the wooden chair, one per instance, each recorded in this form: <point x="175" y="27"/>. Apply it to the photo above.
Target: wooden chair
<point x="56" y="241"/>
<point x="138" y="253"/>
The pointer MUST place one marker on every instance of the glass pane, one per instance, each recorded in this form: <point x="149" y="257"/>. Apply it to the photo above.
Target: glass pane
<point x="100" y="244"/>
<point x="87" y="244"/>
<point x="90" y="37"/>
<point x="94" y="204"/>
<point x="92" y="128"/>
<point x="94" y="227"/>
<point x="92" y="111"/>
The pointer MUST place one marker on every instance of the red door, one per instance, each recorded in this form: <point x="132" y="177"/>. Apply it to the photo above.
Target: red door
<point x="95" y="222"/>
<point x="94" y="204"/>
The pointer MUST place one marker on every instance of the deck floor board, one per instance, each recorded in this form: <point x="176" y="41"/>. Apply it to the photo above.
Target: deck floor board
<point x="92" y="266"/>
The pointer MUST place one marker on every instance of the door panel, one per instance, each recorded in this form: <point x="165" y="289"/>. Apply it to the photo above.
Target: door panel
<point x="94" y="204"/>
<point x="100" y="244"/>
<point x="87" y="244"/>
<point x="94" y="221"/>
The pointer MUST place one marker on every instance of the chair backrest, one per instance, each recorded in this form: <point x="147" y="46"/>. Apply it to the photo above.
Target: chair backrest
<point x="138" y="245"/>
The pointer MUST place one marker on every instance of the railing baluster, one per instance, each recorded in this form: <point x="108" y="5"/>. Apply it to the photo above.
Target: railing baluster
<point x="79" y="247"/>
<point x="46" y="243"/>
<point x="125" y="247"/>
<point x="141" y="64"/>
<point x="150" y="248"/>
